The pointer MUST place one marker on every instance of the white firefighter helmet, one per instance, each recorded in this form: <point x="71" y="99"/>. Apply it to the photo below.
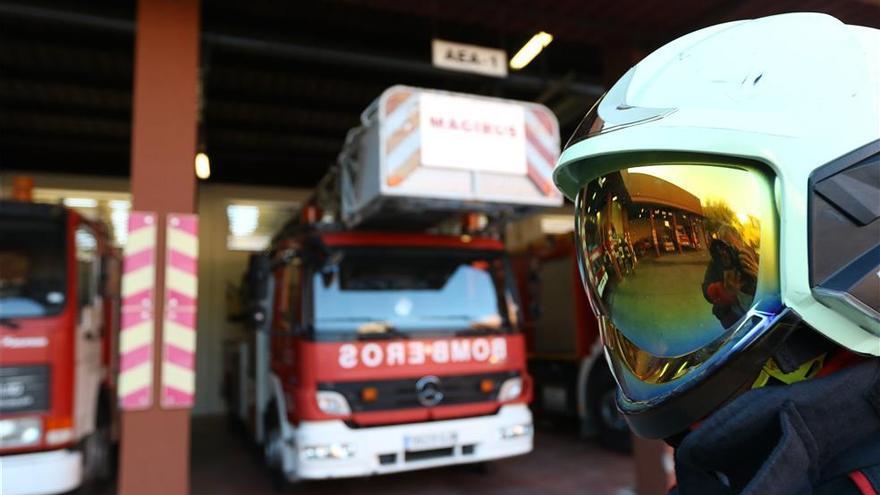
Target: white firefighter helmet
<point x="739" y="166"/>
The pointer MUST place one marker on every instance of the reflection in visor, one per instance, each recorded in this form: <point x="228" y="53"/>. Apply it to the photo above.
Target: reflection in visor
<point x="672" y="256"/>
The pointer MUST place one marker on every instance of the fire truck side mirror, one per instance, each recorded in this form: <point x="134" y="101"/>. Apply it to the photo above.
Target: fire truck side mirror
<point x="104" y="276"/>
<point x="299" y="330"/>
<point x="258" y="275"/>
<point x="257" y="317"/>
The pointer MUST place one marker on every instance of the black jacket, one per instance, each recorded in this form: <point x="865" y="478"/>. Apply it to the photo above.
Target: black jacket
<point x="820" y="436"/>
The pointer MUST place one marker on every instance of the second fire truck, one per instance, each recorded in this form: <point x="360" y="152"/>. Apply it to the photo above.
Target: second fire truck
<point x="58" y="318"/>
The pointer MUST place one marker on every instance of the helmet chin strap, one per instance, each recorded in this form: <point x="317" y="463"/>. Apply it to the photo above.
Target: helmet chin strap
<point x="800" y="347"/>
<point x="799" y="358"/>
<point x="771" y="374"/>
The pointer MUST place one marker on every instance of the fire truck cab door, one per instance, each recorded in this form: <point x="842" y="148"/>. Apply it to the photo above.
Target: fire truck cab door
<point x="89" y="328"/>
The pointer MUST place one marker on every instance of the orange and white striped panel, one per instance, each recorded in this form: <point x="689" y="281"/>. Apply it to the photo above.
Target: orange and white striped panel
<point x="181" y="298"/>
<point x="400" y="135"/>
<point x="137" y="326"/>
<point x="542" y="148"/>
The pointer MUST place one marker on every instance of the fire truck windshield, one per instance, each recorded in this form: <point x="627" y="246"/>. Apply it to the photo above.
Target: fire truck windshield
<point x="391" y="292"/>
<point x="32" y="266"/>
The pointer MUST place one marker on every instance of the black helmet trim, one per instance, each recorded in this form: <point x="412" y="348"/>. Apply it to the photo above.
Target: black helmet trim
<point x="681" y="411"/>
<point x="844" y="233"/>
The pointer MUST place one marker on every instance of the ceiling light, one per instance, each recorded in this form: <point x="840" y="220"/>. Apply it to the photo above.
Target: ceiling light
<point x="243" y="219"/>
<point x="203" y="166"/>
<point x="80" y="202"/>
<point x="530" y="50"/>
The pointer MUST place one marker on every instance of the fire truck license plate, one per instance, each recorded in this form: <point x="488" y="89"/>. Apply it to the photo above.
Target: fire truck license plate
<point x="429" y="441"/>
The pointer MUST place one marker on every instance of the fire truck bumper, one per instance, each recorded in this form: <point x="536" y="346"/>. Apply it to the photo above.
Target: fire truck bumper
<point x="330" y="449"/>
<point x="40" y="473"/>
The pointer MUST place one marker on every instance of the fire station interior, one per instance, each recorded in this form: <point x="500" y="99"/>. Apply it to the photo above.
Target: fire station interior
<point x="183" y="189"/>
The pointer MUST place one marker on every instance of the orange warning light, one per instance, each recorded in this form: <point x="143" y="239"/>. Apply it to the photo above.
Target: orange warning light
<point x="369" y="394"/>
<point x="22" y="188"/>
<point x="487" y="386"/>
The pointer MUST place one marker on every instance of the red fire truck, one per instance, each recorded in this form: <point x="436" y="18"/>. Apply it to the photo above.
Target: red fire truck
<point x="58" y="306"/>
<point x="388" y="330"/>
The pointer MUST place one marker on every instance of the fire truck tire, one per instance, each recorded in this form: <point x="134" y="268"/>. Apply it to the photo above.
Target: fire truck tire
<point x="97" y="452"/>
<point x="614" y="433"/>
<point x="272" y="444"/>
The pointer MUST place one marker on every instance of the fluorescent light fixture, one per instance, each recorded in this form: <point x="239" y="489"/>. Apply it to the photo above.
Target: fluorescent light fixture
<point x="80" y="202"/>
<point x="530" y="50"/>
<point x="119" y="204"/>
<point x="203" y="166"/>
<point x="243" y="219"/>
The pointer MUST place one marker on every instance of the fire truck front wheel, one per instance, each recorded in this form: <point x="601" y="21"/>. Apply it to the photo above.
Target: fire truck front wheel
<point x="97" y="451"/>
<point x="273" y="445"/>
<point x="614" y="433"/>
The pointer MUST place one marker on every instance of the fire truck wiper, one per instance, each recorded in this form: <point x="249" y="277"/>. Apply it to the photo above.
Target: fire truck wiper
<point x="9" y="323"/>
<point x="378" y="330"/>
<point x="478" y="331"/>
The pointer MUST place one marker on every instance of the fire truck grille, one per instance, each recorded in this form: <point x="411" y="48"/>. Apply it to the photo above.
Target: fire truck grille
<point x="24" y="388"/>
<point x="409" y="393"/>
<point x="423" y="455"/>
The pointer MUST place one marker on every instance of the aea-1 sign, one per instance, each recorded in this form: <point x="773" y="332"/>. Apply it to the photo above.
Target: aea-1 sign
<point x="474" y="134"/>
<point x="469" y="58"/>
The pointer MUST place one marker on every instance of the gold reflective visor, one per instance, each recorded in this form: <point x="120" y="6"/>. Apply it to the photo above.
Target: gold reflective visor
<point x="679" y="261"/>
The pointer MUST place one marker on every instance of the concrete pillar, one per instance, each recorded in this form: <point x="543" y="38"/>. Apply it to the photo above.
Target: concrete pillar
<point x="654" y="469"/>
<point x="154" y="454"/>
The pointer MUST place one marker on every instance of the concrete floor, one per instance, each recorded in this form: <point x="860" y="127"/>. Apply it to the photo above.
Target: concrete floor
<point x="560" y="464"/>
<point x="224" y="464"/>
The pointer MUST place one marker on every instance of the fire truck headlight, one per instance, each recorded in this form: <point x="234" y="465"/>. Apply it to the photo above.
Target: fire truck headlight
<point x="331" y="451"/>
<point x="510" y="389"/>
<point x="20" y="432"/>
<point x="516" y="431"/>
<point x="334" y="403"/>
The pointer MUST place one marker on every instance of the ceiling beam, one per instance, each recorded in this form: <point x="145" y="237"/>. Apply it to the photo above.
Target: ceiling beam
<point x="296" y="51"/>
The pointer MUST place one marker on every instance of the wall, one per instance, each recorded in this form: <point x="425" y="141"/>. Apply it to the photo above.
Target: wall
<point x="219" y="267"/>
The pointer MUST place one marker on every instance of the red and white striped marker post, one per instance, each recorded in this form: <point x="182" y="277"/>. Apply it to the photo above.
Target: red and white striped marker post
<point x="181" y="297"/>
<point x="136" y="332"/>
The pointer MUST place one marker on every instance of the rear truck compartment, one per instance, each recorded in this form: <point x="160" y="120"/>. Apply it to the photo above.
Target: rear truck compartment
<point x="572" y="380"/>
